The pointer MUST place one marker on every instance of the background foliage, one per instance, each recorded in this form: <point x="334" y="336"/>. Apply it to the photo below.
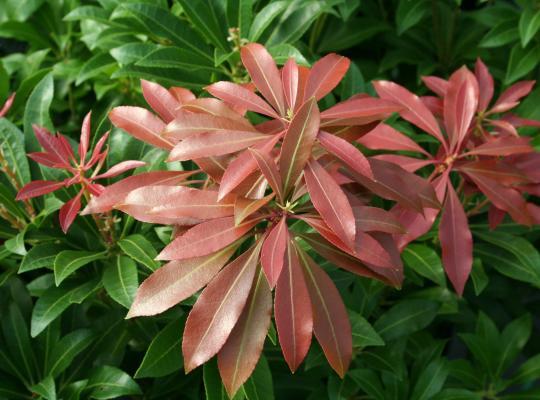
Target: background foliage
<point x="62" y="307"/>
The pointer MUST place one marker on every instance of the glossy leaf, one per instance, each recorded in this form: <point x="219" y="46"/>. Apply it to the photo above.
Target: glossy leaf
<point x="274" y="250"/>
<point x="120" y="280"/>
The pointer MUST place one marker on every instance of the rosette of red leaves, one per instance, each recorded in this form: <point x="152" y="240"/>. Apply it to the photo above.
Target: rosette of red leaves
<point x="59" y="154"/>
<point x="239" y="232"/>
<point x="494" y="166"/>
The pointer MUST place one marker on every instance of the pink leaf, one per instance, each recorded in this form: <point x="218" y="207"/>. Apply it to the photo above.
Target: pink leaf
<point x="325" y="75"/>
<point x="273" y="251"/>
<point x="269" y="169"/>
<point x="456" y="241"/>
<point x="330" y="202"/>
<point x="160" y="99"/>
<point x="141" y="124"/>
<point x="409" y="164"/>
<point x="511" y="96"/>
<point x="218" y="308"/>
<point x="214" y="107"/>
<point x="176" y="281"/>
<point x="384" y="137"/>
<point x="205" y="238"/>
<point x="363" y="110"/>
<point x="290" y="77"/>
<point x="485" y="85"/>
<point x="292" y="311"/>
<point x="264" y="74"/>
<point x="85" y="137"/>
<point x="51" y="144"/>
<point x="504" y="146"/>
<point x="437" y="85"/>
<point x="47" y="159"/>
<point x="243" y="207"/>
<point x="7" y="105"/>
<point x="376" y="219"/>
<point x="189" y="124"/>
<point x="120" y="168"/>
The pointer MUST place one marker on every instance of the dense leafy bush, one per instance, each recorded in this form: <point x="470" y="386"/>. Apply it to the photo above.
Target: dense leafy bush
<point x="318" y="179"/>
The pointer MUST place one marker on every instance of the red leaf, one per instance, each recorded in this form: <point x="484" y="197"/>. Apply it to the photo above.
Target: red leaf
<point x="497" y="170"/>
<point x="290" y="77"/>
<point x="69" y="211"/>
<point x="330" y="320"/>
<point x="376" y="219"/>
<point x="436" y="85"/>
<point x="273" y="251"/>
<point x="214" y="107"/>
<point x="409" y="164"/>
<point x="519" y="122"/>
<point x="325" y="75"/>
<point x="460" y="105"/>
<point x="181" y="94"/>
<point x="243" y="208"/>
<point x="456" y="241"/>
<point x="511" y="96"/>
<point x="206" y="238"/>
<point x="160" y="99"/>
<point x="415" y="111"/>
<point x="218" y="308"/>
<point x="214" y="144"/>
<point x="297" y="144"/>
<point x="7" y="105"/>
<point x="141" y="124"/>
<point x="176" y="281"/>
<point x="96" y="153"/>
<point x="495" y="216"/>
<point x="384" y="137"/>
<point x="503" y="127"/>
<point x="346" y="152"/>
<point x="52" y="144"/>
<point x="239" y="356"/>
<point x="292" y="311"/>
<point x="503" y="146"/>
<point x="117" y="192"/>
<point x="47" y="159"/>
<point x="485" y="85"/>
<point x="330" y="202"/>
<point x="269" y="169"/>
<point x="120" y="168"/>
<point x="239" y="96"/>
<point x="38" y="188"/>
<point x="189" y="124"/>
<point x="358" y="111"/>
<point x="85" y="137"/>
<point x="241" y="167"/>
<point x="264" y="74"/>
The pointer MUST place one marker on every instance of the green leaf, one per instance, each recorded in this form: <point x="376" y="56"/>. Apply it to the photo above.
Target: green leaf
<point x="69" y="261"/>
<point x="352" y="83"/>
<point x="409" y="13"/>
<point x="282" y="52"/>
<point x="107" y="382"/>
<point x="130" y="53"/>
<point x="529" y="23"/>
<point x="213" y="387"/>
<point x="16" y="244"/>
<point x="522" y="61"/>
<point x="24" y="31"/>
<point x="65" y="350"/>
<point x="343" y="36"/>
<point x="478" y="276"/>
<point x="46" y="388"/>
<point x="20" y="10"/>
<point x="529" y="371"/>
<point x="369" y="382"/>
<point x="431" y="380"/>
<point x="99" y="63"/>
<point x="208" y="17"/>
<point x="141" y="250"/>
<point x="264" y="18"/>
<point x="164" y="355"/>
<point x="55" y="301"/>
<point x="40" y="256"/>
<point x="120" y="280"/>
<point x="83" y="13"/>
<point x="513" y="338"/>
<point x="424" y="261"/>
<point x="18" y="343"/>
<point x="363" y="333"/>
<point x="406" y="317"/>
<point x="457" y="394"/>
<point x="501" y="34"/>
<point x="7" y="199"/>
<point x="240" y="15"/>
<point x="37" y="111"/>
<point x="159" y="21"/>
<point x="166" y="76"/>
<point x="259" y="386"/>
<point x="13" y="151"/>
<point x="175" y="57"/>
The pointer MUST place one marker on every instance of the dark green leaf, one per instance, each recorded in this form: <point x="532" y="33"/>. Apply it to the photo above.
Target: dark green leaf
<point x="529" y="23"/>
<point x="67" y="349"/>
<point x="424" y="261"/>
<point x="431" y="380"/>
<point x="37" y="111"/>
<point x="409" y="13"/>
<point x="107" y="382"/>
<point x="69" y="261"/>
<point x="522" y="61"/>
<point x="141" y="250"/>
<point x="362" y="332"/>
<point x="120" y="280"/>
<point x="406" y="317"/>
<point x="40" y="256"/>
<point x="46" y="388"/>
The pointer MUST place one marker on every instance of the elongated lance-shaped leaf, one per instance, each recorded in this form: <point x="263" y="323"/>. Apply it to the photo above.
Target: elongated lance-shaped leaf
<point x="208" y="144"/>
<point x="325" y="75"/>
<point x="415" y="111"/>
<point x="485" y="85"/>
<point x="141" y="124"/>
<point x="189" y="124"/>
<point x="384" y="137"/>
<point x="503" y="146"/>
<point x="176" y="281"/>
<point x="273" y="251"/>
<point x="330" y="320"/>
<point x="239" y="356"/>
<point x="289" y="78"/>
<point x="456" y="241"/>
<point x="292" y="311"/>
<point x="376" y="219"/>
<point x="264" y="74"/>
<point x="206" y="238"/>
<point x="297" y="144"/>
<point x="69" y="211"/>
<point x="330" y="202"/>
<point x="269" y="169"/>
<point x="160" y="99"/>
<point x="243" y="207"/>
<point x="510" y="97"/>
<point x="217" y="310"/>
